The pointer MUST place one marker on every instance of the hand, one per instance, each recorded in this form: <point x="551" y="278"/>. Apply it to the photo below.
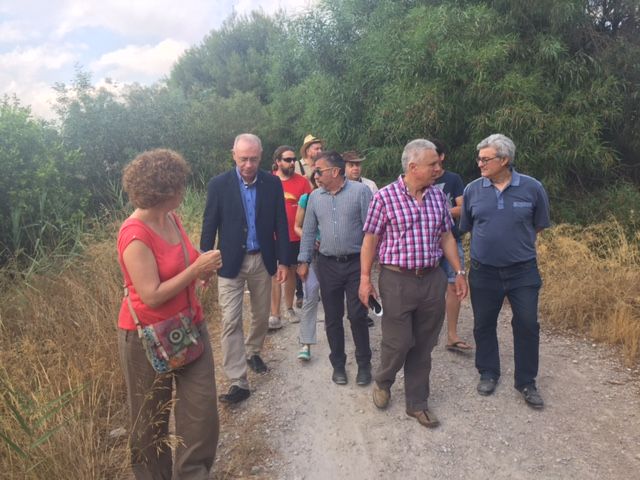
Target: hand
<point x="461" y="287"/>
<point x="282" y="273"/>
<point x="303" y="270"/>
<point x="207" y="264"/>
<point x="366" y="290"/>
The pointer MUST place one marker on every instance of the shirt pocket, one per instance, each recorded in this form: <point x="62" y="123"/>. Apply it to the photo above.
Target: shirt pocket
<point x="523" y="211"/>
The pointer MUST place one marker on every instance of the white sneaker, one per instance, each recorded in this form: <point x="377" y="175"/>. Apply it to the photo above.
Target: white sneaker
<point x="292" y="316"/>
<point x="275" y="323"/>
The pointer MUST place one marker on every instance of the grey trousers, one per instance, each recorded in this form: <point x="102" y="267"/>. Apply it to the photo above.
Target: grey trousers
<point x="414" y="310"/>
<point x="195" y="411"/>
<point x="309" y="315"/>
<point x="235" y="349"/>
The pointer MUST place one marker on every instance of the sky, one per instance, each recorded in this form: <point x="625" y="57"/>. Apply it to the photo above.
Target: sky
<point x="43" y="41"/>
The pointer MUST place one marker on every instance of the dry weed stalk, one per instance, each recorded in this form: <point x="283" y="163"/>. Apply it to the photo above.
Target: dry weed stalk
<point x="592" y="283"/>
<point x="58" y="335"/>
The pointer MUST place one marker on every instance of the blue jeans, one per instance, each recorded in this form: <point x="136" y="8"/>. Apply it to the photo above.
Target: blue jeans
<point x="520" y="283"/>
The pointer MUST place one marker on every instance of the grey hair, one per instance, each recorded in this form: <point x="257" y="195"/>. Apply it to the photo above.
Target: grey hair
<point x="504" y="146"/>
<point x="412" y="149"/>
<point x="248" y="137"/>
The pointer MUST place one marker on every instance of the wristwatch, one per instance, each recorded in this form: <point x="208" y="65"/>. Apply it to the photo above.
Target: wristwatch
<point x="461" y="272"/>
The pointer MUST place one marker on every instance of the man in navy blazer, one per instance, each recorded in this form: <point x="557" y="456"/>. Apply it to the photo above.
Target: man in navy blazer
<point x="245" y="210"/>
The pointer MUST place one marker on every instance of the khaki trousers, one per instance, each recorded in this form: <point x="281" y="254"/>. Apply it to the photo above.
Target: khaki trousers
<point x="413" y="315"/>
<point x="235" y="349"/>
<point x="195" y="411"/>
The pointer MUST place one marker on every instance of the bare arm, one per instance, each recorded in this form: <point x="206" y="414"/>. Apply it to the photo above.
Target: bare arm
<point x="143" y="270"/>
<point x="297" y="227"/>
<point x="457" y="210"/>
<point x="367" y="255"/>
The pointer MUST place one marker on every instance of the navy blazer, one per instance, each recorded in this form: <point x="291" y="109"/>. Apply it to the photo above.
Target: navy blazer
<point x="224" y="217"/>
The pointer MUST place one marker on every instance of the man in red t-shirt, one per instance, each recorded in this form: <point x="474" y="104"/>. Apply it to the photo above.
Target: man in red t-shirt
<point x="294" y="186"/>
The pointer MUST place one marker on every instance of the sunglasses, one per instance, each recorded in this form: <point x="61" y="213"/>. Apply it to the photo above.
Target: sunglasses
<point x="288" y="159"/>
<point x="320" y="171"/>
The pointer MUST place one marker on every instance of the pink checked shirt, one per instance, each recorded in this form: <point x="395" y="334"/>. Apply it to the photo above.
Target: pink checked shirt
<point x="409" y="231"/>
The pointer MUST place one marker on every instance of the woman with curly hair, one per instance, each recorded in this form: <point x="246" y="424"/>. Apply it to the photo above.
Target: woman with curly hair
<point x="151" y="253"/>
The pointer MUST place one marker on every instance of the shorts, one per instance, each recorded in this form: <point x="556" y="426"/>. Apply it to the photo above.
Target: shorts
<point x="451" y="274"/>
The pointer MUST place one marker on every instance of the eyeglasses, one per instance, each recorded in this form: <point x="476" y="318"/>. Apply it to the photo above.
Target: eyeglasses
<point x="484" y="161"/>
<point x="288" y="159"/>
<point x="319" y="171"/>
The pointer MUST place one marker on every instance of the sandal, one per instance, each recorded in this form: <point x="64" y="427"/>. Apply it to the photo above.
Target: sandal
<point x="460" y="346"/>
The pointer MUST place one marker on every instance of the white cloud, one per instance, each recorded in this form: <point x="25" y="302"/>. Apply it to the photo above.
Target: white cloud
<point x="188" y="19"/>
<point x="30" y="60"/>
<point x="41" y="40"/>
<point x="14" y="32"/>
<point x="38" y="95"/>
<point x="139" y="62"/>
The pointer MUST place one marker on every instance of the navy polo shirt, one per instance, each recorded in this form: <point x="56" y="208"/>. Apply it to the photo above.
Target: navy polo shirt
<point x="503" y="224"/>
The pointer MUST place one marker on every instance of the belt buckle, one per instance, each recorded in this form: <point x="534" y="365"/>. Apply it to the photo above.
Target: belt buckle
<point x="341" y="258"/>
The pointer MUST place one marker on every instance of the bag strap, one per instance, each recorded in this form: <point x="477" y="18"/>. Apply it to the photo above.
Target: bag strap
<point x="186" y="265"/>
<point x="184" y="253"/>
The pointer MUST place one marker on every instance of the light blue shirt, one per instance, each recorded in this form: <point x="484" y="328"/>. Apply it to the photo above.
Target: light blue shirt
<point x="248" y="194"/>
<point x="339" y="218"/>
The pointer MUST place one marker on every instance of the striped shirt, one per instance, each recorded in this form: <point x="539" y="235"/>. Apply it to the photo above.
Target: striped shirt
<point x="339" y="217"/>
<point x="409" y="231"/>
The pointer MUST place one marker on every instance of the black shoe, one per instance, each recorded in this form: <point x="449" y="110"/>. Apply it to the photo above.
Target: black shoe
<point x="364" y="375"/>
<point x="532" y="397"/>
<point x="256" y="364"/>
<point x="370" y="321"/>
<point x="339" y="376"/>
<point x="486" y="386"/>
<point x="235" y="395"/>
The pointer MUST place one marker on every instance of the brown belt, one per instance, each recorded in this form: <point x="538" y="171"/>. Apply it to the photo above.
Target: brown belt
<point x="253" y="252"/>
<point x="414" y="272"/>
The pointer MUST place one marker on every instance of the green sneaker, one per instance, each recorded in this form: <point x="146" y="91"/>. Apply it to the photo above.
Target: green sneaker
<point x="305" y="353"/>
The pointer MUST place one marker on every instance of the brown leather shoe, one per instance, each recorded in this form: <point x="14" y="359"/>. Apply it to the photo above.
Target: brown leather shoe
<point x="381" y="396"/>
<point x="425" y="417"/>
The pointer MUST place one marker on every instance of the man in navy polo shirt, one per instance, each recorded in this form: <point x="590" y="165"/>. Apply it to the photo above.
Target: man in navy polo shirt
<point x="504" y="210"/>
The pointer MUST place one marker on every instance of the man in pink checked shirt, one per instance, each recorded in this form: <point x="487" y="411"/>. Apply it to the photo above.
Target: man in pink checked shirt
<point x="409" y="226"/>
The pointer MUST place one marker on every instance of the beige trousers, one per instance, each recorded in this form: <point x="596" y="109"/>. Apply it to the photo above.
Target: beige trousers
<point x="235" y="349"/>
<point x="195" y="411"/>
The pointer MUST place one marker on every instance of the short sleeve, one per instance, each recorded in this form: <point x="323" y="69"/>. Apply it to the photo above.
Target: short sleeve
<point x="130" y="231"/>
<point x="302" y="203"/>
<point x="375" y="222"/>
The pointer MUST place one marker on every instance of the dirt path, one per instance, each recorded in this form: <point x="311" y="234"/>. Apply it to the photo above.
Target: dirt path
<point x="590" y="428"/>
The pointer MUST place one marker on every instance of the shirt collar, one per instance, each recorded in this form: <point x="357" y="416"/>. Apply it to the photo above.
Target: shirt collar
<point x="403" y="187"/>
<point x="344" y="185"/>
<point x="515" y="179"/>
<point x="241" y="180"/>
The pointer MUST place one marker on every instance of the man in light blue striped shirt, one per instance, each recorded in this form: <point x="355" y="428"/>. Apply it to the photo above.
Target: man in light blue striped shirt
<point x="338" y="209"/>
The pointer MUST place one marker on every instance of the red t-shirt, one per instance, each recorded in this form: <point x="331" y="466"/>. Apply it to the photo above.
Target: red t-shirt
<point x="170" y="261"/>
<point x="294" y="188"/>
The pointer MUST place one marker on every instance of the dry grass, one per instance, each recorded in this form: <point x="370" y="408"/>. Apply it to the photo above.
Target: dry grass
<point x="58" y="335"/>
<point x="62" y="389"/>
<point x="592" y="284"/>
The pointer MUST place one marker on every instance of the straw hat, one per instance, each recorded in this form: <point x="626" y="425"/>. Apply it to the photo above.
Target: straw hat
<point x="308" y="140"/>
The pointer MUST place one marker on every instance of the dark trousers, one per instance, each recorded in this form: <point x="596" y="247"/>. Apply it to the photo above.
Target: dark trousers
<point x="299" y="289"/>
<point x="520" y="283"/>
<point x="337" y="279"/>
<point x="413" y="316"/>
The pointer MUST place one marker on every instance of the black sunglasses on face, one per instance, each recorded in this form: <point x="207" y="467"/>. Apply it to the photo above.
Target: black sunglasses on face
<point x="288" y="159"/>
